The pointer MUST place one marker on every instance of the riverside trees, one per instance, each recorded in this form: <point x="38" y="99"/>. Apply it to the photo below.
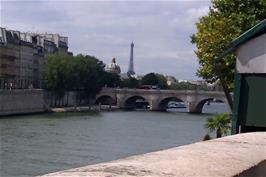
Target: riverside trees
<point x="148" y="79"/>
<point x="225" y="21"/>
<point x="57" y="74"/>
<point x="81" y="73"/>
<point x="154" y="79"/>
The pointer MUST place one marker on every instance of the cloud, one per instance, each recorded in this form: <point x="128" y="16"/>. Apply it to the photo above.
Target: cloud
<point x="160" y="30"/>
<point x="190" y="16"/>
<point x="198" y="12"/>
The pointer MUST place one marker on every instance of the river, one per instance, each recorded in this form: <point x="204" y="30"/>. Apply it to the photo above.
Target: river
<point x="38" y="144"/>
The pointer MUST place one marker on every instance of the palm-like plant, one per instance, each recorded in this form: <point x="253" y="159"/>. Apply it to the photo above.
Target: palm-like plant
<point x="219" y="123"/>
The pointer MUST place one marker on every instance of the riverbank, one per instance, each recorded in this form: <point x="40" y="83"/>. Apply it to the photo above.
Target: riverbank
<point x="84" y="109"/>
<point x="30" y="101"/>
<point x="18" y="102"/>
<point x="236" y="155"/>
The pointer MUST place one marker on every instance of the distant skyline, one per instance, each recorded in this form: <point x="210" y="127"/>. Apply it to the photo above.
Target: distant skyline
<point x="160" y="30"/>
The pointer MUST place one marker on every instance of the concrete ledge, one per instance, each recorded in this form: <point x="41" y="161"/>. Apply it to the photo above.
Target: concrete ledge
<point x="228" y="156"/>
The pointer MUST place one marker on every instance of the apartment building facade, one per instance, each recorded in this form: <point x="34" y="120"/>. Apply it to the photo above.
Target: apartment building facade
<point x="22" y="56"/>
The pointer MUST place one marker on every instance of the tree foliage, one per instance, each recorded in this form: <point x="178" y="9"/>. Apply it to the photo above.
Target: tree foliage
<point x="111" y="80"/>
<point x="154" y="79"/>
<point x="57" y="73"/>
<point x="88" y="74"/>
<point x="64" y="73"/>
<point x="225" y="21"/>
<point x="220" y="123"/>
<point x="149" y="79"/>
<point x="183" y="86"/>
<point x="129" y="83"/>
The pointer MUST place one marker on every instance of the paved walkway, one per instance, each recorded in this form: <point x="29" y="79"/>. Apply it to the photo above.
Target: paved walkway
<point x="222" y="157"/>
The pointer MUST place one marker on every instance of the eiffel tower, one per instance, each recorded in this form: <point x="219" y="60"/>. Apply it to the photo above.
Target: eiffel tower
<point x="131" y="71"/>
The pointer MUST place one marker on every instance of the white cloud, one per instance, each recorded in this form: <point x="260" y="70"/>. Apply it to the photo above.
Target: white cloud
<point x="104" y="29"/>
<point x="106" y="38"/>
<point x="190" y="16"/>
<point x="198" y="12"/>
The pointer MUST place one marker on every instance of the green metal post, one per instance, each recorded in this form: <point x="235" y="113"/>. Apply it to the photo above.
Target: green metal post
<point x="238" y="78"/>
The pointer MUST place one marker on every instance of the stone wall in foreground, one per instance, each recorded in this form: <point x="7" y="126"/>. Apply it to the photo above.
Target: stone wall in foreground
<point x="28" y="101"/>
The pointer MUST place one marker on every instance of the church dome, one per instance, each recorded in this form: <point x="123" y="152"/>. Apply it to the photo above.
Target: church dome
<point x="113" y="67"/>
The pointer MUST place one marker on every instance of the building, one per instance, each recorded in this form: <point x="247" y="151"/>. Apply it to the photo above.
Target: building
<point x="170" y="80"/>
<point x="9" y="57"/>
<point x="52" y="43"/>
<point x="22" y="56"/>
<point x="113" y="67"/>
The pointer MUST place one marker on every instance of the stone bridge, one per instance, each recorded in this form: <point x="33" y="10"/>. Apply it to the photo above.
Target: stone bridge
<point x="158" y="99"/>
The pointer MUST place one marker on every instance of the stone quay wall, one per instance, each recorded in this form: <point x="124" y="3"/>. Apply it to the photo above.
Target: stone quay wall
<point x="28" y="101"/>
<point x="71" y="98"/>
<point x="13" y="102"/>
<point x="241" y="155"/>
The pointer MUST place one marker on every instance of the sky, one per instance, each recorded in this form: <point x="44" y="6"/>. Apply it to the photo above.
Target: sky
<point x="160" y="30"/>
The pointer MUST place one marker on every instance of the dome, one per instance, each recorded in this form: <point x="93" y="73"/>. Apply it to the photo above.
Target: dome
<point x="113" y="67"/>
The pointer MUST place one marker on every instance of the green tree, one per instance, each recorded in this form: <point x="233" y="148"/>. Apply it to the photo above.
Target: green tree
<point x="129" y="83"/>
<point x="187" y="86"/>
<point x="111" y="79"/>
<point x="183" y="86"/>
<point x="88" y="75"/>
<point x="57" y="74"/>
<point x="220" y="123"/>
<point x="225" y="21"/>
<point x="154" y="79"/>
<point x="149" y="79"/>
<point x="162" y="82"/>
<point x="81" y="73"/>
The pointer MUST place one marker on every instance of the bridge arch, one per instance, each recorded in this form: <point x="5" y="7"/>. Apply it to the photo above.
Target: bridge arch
<point x="163" y="103"/>
<point x="105" y="100"/>
<point x="199" y="105"/>
<point x="136" y="101"/>
<point x="157" y="99"/>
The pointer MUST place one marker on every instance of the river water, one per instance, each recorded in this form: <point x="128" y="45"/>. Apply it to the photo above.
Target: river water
<point x="38" y="144"/>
